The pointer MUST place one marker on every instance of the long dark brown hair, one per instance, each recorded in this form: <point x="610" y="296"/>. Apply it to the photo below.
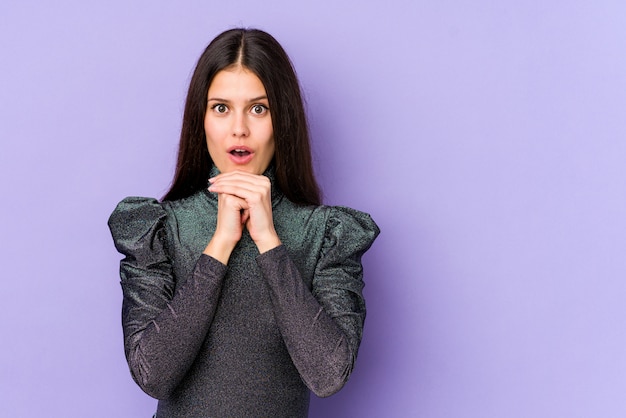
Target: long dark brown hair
<point x="260" y="53"/>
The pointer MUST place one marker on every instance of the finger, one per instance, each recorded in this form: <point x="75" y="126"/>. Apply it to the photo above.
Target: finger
<point x="245" y="193"/>
<point x="246" y="180"/>
<point x="245" y="216"/>
<point x="231" y="201"/>
<point x="237" y="174"/>
<point x="240" y="177"/>
<point x="241" y="188"/>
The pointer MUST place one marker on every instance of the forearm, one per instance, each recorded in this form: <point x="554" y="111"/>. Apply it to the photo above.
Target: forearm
<point x="318" y="347"/>
<point x="161" y="353"/>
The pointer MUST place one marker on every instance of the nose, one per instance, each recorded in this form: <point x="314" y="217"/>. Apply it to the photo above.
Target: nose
<point x="240" y="125"/>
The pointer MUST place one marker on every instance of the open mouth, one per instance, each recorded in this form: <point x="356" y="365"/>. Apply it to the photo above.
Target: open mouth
<point x="239" y="152"/>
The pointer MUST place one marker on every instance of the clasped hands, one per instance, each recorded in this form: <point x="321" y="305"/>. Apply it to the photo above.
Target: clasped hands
<point x="243" y="200"/>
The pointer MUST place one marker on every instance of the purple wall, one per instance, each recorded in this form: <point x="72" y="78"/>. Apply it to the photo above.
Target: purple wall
<point x="487" y="140"/>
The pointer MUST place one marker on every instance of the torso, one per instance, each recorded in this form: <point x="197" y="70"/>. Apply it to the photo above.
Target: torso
<point x="243" y="359"/>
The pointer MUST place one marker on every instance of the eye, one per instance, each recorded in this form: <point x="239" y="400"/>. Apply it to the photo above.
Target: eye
<point x="220" y="108"/>
<point x="259" y="109"/>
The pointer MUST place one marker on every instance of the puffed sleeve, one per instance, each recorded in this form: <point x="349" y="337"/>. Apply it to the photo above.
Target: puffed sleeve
<point x="338" y="282"/>
<point x="322" y="327"/>
<point x="164" y="325"/>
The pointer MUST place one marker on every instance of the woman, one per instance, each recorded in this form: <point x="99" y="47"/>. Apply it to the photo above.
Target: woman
<point x="240" y="297"/>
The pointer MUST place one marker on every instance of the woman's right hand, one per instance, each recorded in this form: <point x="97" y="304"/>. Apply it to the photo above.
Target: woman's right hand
<point x="232" y="214"/>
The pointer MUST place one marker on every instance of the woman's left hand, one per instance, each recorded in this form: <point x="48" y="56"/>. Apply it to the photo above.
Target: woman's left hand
<point x="255" y="190"/>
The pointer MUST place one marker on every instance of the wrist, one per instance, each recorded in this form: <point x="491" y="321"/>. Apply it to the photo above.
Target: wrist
<point x="269" y="243"/>
<point x="220" y="249"/>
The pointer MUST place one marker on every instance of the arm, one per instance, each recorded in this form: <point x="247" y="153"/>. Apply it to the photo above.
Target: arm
<point x="322" y="328"/>
<point x="162" y="335"/>
<point x="164" y="325"/>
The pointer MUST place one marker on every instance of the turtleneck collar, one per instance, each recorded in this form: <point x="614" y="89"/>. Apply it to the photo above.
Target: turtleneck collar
<point x="270" y="173"/>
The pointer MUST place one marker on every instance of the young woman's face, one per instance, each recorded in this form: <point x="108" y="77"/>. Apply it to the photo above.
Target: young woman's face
<point x="237" y="123"/>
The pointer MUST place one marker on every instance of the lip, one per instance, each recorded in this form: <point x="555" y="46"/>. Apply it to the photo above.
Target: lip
<point x="240" y="159"/>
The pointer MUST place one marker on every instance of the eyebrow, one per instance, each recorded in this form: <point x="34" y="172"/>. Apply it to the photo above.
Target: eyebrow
<point x="254" y="99"/>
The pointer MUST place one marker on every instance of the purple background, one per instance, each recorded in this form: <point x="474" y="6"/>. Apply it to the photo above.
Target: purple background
<point x="486" y="138"/>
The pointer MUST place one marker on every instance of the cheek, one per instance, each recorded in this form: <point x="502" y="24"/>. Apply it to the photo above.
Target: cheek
<point x="207" y="128"/>
<point x="270" y="149"/>
<point x="269" y="132"/>
<point x="212" y="130"/>
<point x="270" y="144"/>
<point x="212" y="138"/>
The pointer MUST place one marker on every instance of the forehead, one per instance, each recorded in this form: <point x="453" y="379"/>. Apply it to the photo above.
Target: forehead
<point x="236" y="83"/>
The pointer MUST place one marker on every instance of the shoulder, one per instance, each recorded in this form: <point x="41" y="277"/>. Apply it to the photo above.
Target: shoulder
<point x="349" y="228"/>
<point x="135" y="219"/>
<point x="133" y="213"/>
<point x="141" y="210"/>
<point x="333" y="221"/>
<point x="144" y="219"/>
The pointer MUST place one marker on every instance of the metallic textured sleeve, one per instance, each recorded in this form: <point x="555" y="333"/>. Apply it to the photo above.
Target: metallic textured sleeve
<point x="164" y="325"/>
<point x="322" y="327"/>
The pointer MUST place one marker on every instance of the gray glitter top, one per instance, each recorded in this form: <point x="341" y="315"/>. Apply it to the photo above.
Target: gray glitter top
<point x="251" y="338"/>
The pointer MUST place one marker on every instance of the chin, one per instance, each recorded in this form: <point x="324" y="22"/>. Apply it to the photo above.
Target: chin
<point x="250" y="170"/>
